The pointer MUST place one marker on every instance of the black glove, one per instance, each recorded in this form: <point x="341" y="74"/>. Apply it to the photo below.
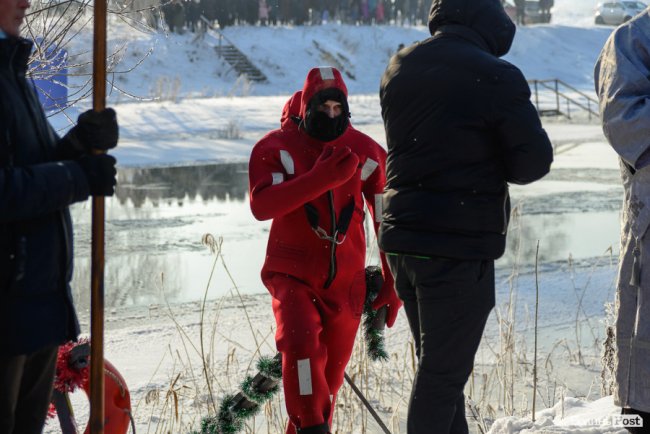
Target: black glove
<point x="100" y="173"/>
<point x="94" y="131"/>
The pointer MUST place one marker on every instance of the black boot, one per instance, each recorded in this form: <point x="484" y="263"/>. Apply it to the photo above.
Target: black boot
<point x="645" y="429"/>
<point x="315" y="429"/>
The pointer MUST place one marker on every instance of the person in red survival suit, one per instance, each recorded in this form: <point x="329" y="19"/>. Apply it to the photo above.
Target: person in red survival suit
<point x="311" y="177"/>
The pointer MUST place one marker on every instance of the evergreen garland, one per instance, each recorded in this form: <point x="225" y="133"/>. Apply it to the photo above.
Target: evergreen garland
<point x="253" y="395"/>
<point x="233" y="411"/>
<point x="373" y="334"/>
<point x="270" y="367"/>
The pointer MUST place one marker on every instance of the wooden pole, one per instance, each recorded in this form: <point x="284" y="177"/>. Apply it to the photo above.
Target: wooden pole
<point x="363" y="399"/>
<point x="97" y="271"/>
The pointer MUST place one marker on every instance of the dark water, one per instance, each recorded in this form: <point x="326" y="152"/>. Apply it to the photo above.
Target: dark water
<point x="155" y="223"/>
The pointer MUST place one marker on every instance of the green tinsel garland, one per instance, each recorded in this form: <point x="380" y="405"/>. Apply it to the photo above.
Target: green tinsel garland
<point x="230" y="420"/>
<point x="374" y="337"/>
<point x="255" y="396"/>
<point x="375" y="345"/>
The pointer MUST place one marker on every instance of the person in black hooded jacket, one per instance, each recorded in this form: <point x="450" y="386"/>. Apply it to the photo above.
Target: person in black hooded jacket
<point x="459" y="126"/>
<point x="40" y="175"/>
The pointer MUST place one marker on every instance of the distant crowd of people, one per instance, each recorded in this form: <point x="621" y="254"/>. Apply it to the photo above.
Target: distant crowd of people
<point x="185" y="15"/>
<point x="180" y="15"/>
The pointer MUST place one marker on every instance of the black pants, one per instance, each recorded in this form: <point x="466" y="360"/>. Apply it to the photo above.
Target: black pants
<point x="25" y="390"/>
<point x="447" y="303"/>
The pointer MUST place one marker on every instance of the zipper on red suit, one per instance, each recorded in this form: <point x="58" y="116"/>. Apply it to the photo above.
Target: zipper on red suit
<point x="332" y="272"/>
<point x="338" y="230"/>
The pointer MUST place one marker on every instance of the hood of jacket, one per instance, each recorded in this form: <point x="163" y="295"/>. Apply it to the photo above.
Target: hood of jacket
<point x="487" y="18"/>
<point x="291" y="111"/>
<point x="318" y="79"/>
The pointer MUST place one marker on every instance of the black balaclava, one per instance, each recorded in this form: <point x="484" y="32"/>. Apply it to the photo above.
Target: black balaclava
<point x="318" y="124"/>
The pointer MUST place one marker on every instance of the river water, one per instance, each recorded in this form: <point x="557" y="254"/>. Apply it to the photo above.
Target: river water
<point x="156" y="221"/>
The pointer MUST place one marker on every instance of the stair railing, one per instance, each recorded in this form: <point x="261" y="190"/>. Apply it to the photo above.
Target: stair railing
<point x="566" y="93"/>
<point x="220" y="35"/>
<point x="242" y="61"/>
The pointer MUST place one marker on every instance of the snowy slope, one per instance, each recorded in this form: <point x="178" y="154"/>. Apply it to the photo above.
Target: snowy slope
<point x="172" y="66"/>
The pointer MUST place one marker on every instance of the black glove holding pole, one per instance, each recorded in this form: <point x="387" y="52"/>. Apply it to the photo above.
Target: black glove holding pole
<point x="100" y="172"/>
<point x="95" y="131"/>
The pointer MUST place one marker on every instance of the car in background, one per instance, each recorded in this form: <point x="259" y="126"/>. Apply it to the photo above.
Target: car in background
<point x="536" y="11"/>
<point x="617" y="12"/>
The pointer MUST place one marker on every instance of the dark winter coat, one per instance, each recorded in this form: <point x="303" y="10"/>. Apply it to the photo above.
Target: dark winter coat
<point x="459" y="127"/>
<point x="36" y="309"/>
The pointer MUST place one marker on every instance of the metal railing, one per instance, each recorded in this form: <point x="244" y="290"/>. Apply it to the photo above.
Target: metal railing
<point x="220" y="36"/>
<point x="564" y="99"/>
<point x="227" y="50"/>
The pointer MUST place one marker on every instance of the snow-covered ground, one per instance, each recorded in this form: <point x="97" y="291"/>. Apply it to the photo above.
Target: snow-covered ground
<point x="183" y="105"/>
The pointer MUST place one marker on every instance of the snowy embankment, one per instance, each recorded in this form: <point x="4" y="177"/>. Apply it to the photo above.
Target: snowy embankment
<point x="191" y="108"/>
<point x="182" y="89"/>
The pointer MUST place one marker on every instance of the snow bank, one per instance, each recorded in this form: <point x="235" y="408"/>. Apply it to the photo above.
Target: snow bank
<point x="569" y="416"/>
<point x="175" y="66"/>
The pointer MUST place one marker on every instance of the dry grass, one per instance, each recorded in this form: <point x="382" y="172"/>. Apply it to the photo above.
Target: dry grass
<point x="508" y="375"/>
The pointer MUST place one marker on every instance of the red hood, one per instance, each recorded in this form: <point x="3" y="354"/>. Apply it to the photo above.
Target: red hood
<point x="318" y="79"/>
<point x="291" y="109"/>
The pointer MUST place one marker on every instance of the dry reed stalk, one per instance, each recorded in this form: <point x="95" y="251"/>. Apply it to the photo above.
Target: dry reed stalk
<point x="536" y="329"/>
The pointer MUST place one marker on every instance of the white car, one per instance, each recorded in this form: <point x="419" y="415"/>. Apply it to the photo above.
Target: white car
<point x="617" y="12"/>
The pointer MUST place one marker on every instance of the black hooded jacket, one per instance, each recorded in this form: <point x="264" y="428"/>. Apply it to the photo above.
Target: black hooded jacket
<point x="36" y="187"/>
<point x="460" y="126"/>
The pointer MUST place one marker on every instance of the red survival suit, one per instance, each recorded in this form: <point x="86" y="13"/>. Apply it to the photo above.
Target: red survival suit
<point x="317" y="317"/>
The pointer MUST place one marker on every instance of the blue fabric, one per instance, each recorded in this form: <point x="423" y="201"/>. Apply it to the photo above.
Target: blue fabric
<point x="2" y="35"/>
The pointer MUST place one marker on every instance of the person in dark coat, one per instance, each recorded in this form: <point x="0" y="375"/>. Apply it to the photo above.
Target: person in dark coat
<point x="40" y="175"/>
<point x="545" y="9"/>
<point x="209" y="9"/>
<point x="225" y="13"/>
<point x="174" y="13"/>
<point x="192" y="14"/>
<point x="459" y="127"/>
<point x="274" y="12"/>
<point x="520" y="8"/>
<point x="299" y="12"/>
